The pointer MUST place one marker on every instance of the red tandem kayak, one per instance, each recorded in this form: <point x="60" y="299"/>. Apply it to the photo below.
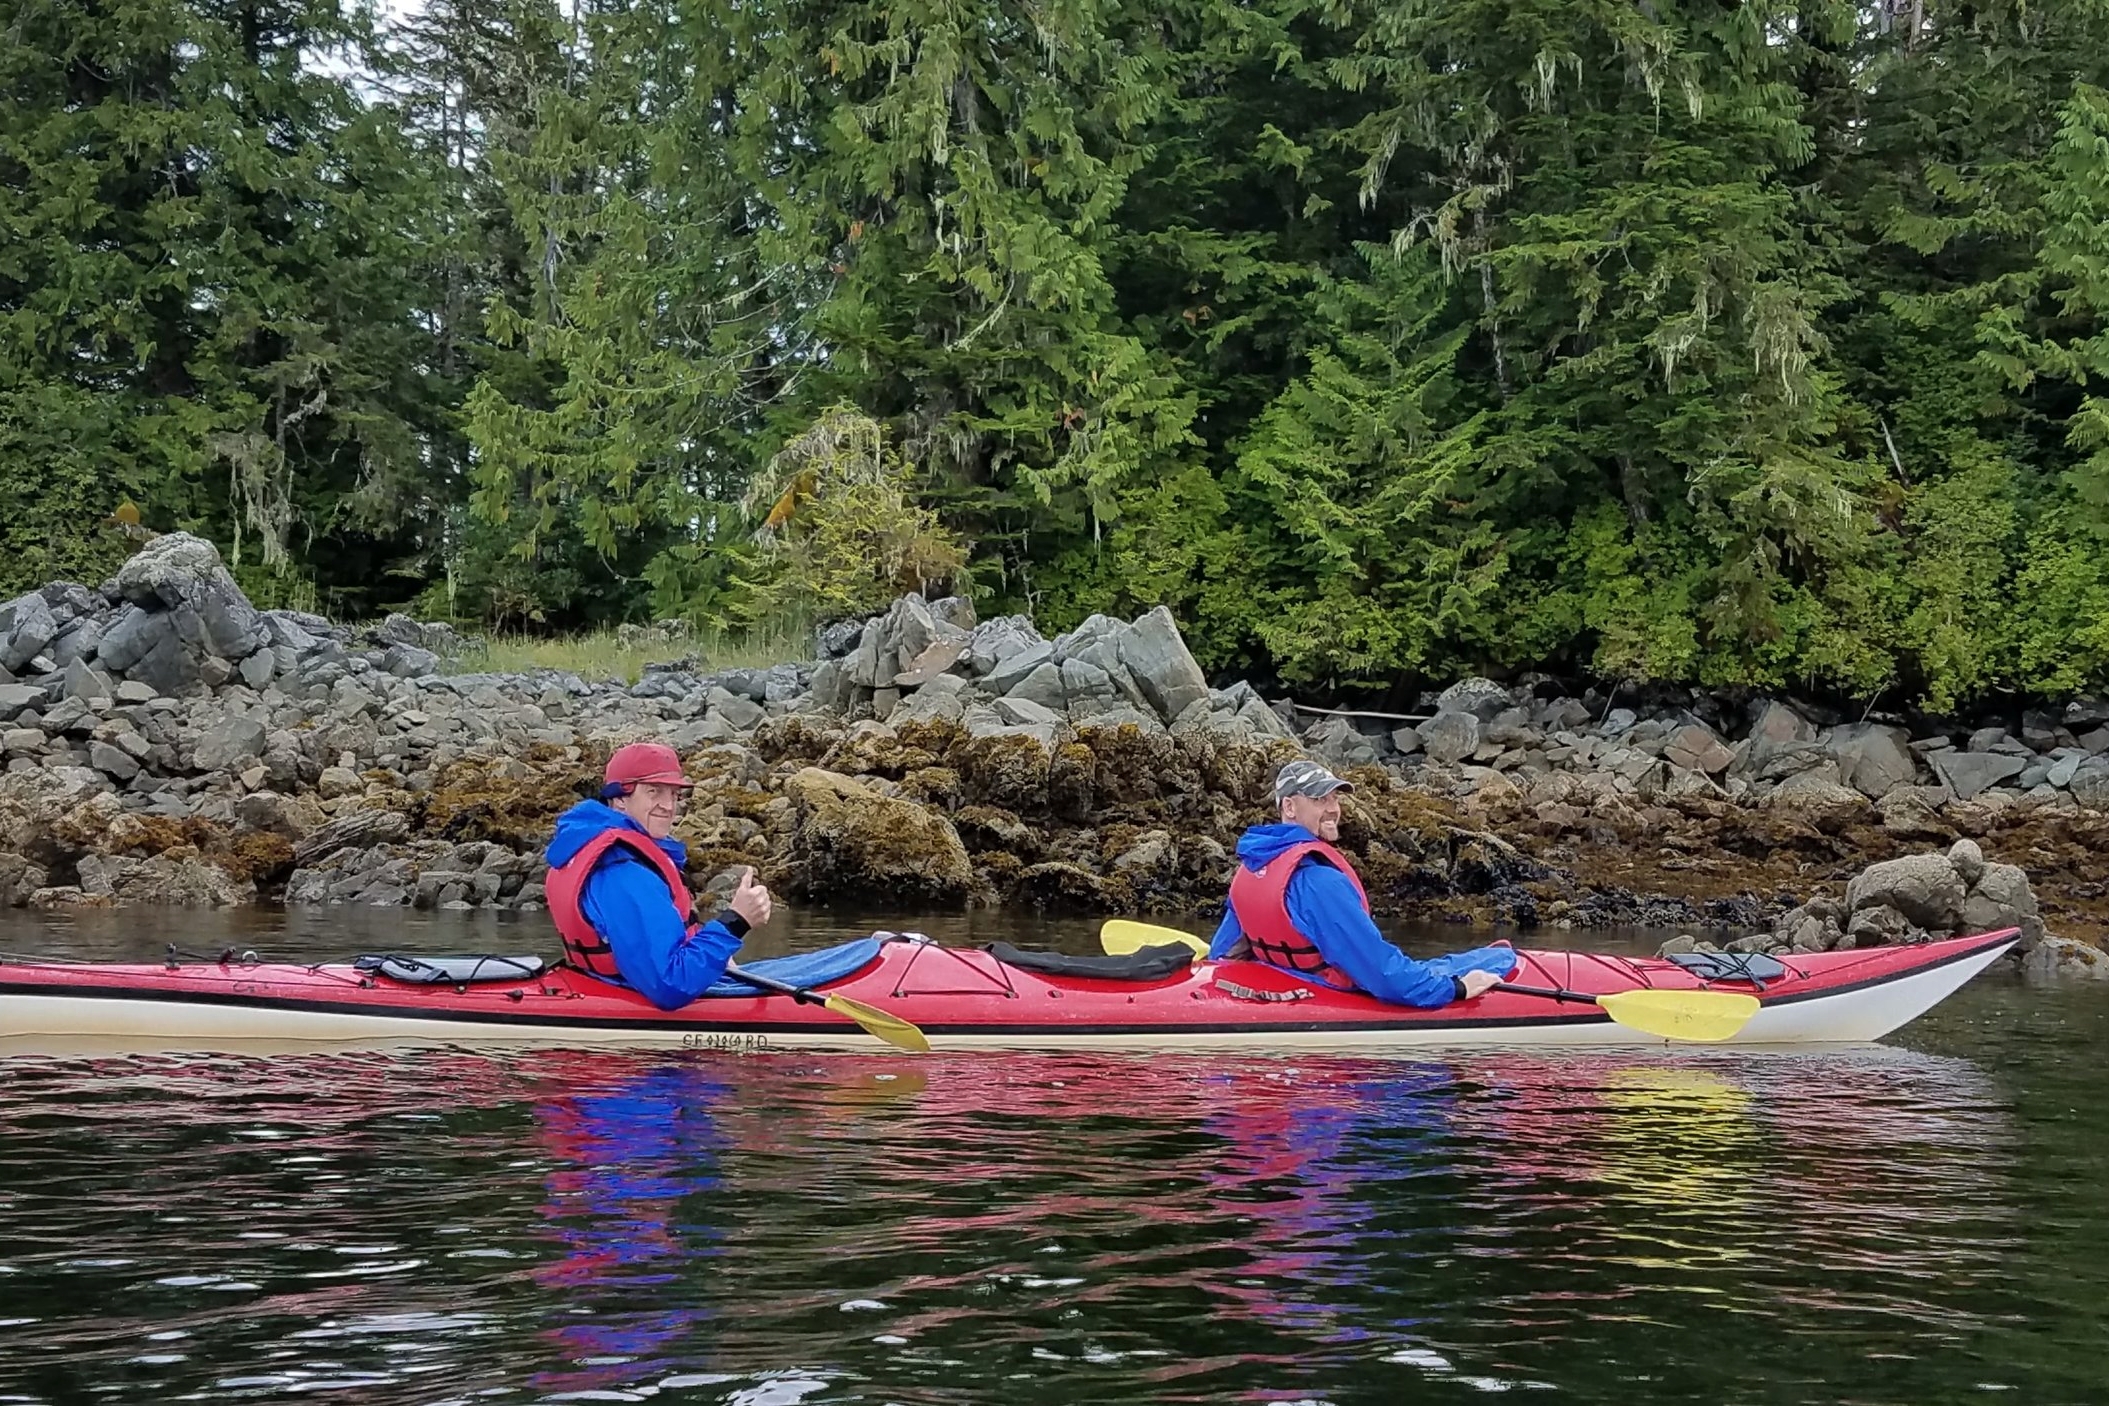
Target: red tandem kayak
<point x="962" y="999"/>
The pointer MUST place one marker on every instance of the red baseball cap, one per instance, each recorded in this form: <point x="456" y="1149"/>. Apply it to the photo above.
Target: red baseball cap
<point x="640" y="762"/>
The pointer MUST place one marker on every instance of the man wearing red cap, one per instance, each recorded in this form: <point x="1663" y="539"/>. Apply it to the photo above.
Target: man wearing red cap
<point x="616" y="888"/>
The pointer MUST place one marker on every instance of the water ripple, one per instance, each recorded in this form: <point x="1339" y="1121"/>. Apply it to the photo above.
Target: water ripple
<point x="464" y="1227"/>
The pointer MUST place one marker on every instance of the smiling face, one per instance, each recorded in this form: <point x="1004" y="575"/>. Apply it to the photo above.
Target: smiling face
<point x="653" y="805"/>
<point x="1318" y="814"/>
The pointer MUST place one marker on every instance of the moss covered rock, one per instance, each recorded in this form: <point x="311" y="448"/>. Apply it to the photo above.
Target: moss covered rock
<point x="851" y="842"/>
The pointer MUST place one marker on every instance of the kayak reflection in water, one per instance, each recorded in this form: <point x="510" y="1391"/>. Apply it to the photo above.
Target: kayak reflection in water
<point x="1295" y="903"/>
<point x="616" y="889"/>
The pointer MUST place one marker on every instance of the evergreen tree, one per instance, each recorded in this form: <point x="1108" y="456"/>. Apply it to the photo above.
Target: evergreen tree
<point x="206" y="306"/>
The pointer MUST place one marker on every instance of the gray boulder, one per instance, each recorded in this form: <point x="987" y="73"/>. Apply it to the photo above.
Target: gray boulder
<point x="408" y="661"/>
<point x="1775" y="722"/>
<point x="742" y="713"/>
<point x="1017" y="667"/>
<point x="432" y="636"/>
<point x="1088" y="690"/>
<point x="934" y="661"/>
<point x="83" y="682"/>
<point x="839" y="640"/>
<point x="2002" y="898"/>
<point x="2065" y="767"/>
<point x="863" y="663"/>
<point x="1043" y="686"/>
<point x="956" y="611"/>
<point x="1340" y="745"/>
<point x="786" y="682"/>
<point x="168" y="571"/>
<point x="1450" y="737"/>
<point x="1014" y="711"/>
<point x="112" y="761"/>
<point x="2065" y="957"/>
<point x="183" y="575"/>
<point x="2090" y="783"/>
<point x="1878" y="925"/>
<point x="169" y="667"/>
<point x="908" y="629"/>
<point x="830" y="686"/>
<point x="1995" y="739"/>
<point x="1121" y="715"/>
<point x="941" y="699"/>
<point x="1873" y="758"/>
<point x="993" y="642"/>
<point x="1695" y="748"/>
<point x="1158" y="659"/>
<point x="1925" y="888"/>
<point x="1097" y="642"/>
<point x="284" y="630"/>
<point x="1814" y="792"/>
<point x="1482" y="698"/>
<point x="233" y="743"/>
<point x="78" y="640"/>
<point x="1970" y="774"/>
<point x="1618" y="722"/>
<point x="28" y="625"/>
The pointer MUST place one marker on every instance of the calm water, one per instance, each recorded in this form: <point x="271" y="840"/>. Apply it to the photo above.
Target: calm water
<point x="1917" y="1222"/>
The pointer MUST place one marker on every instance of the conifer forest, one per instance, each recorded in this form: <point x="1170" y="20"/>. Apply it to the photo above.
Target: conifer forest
<point x="1729" y="344"/>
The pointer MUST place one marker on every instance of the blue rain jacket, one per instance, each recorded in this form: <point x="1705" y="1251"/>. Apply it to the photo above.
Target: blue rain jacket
<point x="629" y="906"/>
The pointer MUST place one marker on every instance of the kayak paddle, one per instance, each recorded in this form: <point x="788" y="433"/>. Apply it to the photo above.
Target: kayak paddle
<point x="1121" y="936"/>
<point x="1672" y="1015"/>
<point x="1669" y="1015"/>
<point x="890" y="1028"/>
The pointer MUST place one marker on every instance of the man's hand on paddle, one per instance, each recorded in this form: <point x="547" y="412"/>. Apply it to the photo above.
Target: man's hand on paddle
<point x="751" y="899"/>
<point x="1478" y="983"/>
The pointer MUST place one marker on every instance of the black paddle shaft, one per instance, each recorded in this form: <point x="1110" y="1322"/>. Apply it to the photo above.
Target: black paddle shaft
<point x="781" y="988"/>
<point x="1550" y="993"/>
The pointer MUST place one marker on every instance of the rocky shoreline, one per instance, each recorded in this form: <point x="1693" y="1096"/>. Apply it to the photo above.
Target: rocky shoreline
<point x="166" y="742"/>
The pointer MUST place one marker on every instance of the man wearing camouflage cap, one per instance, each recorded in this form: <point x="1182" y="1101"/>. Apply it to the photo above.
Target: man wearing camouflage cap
<point x="1295" y="903"/>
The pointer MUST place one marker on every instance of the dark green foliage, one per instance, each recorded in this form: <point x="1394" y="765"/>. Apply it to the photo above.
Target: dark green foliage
<point x="1741" y="345"/>
<point x="208" y="288"/>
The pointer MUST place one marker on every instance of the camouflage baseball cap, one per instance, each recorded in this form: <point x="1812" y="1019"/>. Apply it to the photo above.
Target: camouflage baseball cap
<point x="1306" y="778"/>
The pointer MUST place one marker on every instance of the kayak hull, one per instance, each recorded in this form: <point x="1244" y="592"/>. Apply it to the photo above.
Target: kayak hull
<point x="962" y="999"/>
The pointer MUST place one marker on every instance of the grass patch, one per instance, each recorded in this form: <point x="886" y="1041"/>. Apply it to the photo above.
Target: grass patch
<point x="620" y="655"/>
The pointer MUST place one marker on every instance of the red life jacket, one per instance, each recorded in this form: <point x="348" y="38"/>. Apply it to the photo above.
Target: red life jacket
<point x="1260" y="898"/>
<point x="566" y="885"/>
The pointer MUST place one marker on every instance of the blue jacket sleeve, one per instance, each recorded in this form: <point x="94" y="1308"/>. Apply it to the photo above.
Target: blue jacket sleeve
<point x="1229" y="933"/>
<point x="1325" y="908"/>
<point x="669" y="966"/>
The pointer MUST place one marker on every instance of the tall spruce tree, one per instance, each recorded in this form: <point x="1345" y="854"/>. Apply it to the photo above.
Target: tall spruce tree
<point x="1577" y="408"/>
<point x="206" y="311"/>
<point x="651" y="328"/>
<point x="960" y="185"/>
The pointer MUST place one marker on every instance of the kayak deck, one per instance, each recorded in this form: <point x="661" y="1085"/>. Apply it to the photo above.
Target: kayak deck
<point x="962" y="999"/>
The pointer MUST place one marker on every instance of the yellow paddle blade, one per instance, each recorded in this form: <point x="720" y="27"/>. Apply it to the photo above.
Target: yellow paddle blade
<point x="890" y="1028"/>
<point x="1121" y="936"/>
<point x="1681" y="1015"/>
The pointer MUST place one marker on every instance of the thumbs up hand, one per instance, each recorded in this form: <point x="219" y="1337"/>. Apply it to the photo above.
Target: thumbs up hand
<point x="751" y="900"/>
